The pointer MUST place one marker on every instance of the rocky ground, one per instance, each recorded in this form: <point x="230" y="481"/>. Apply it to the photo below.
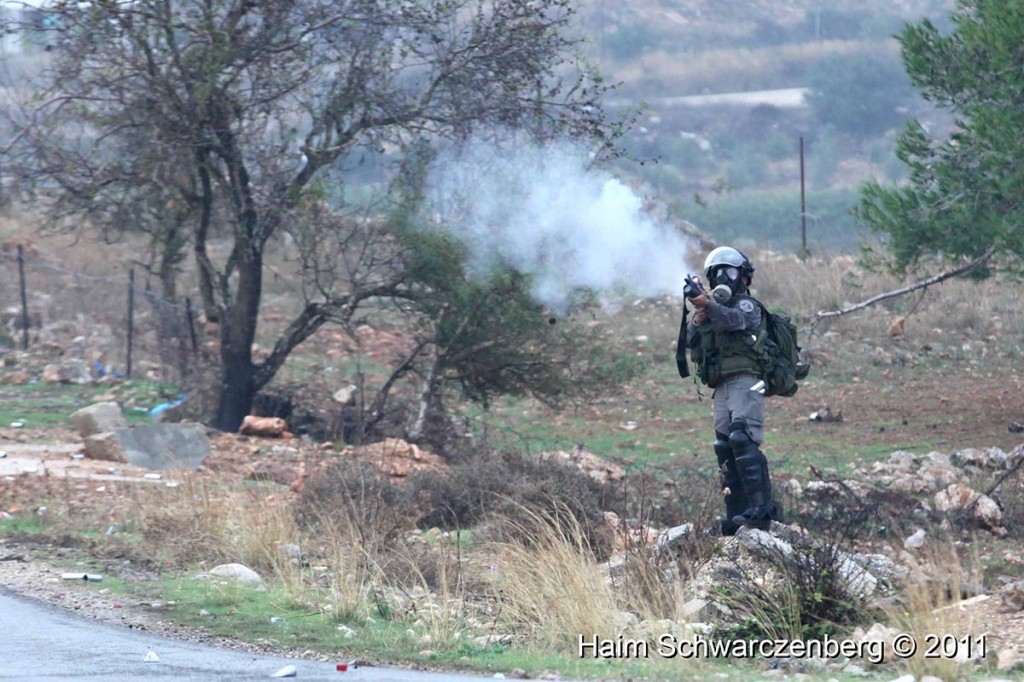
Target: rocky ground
<point x="934" y="486"/>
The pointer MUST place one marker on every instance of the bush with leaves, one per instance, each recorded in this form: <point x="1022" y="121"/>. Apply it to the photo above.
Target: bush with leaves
<point x="962" y="202"/>
<point x="484" y="336"/>
<point x="490" y="486"/>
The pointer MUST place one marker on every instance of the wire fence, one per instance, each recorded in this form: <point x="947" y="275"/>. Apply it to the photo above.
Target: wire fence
<point x="109" y="324"/>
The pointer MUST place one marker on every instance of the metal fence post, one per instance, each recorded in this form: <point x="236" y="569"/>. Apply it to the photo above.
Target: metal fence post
<point x="131" y="320"/>
<point x="24" y="297"/>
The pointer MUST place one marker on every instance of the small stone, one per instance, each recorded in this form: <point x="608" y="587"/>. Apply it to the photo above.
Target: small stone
<point x="916" y="540"/>
<point x="346" y="395"/>
<point x="287" y="671"/>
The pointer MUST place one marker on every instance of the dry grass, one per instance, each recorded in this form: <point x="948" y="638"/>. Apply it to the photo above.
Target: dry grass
<point x="442" y="609"/>
<point x="199" y="521"/>
<point x="932" y="608"/>
<point x="960" y="307"/>
<point x="554" y="589"/>
<point x="645" y="589"/>
<point x="354" y="575"/>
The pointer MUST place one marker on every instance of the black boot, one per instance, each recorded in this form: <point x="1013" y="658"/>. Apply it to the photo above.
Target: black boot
<point x="732" y="487"/>
<point x="752" y="467"/>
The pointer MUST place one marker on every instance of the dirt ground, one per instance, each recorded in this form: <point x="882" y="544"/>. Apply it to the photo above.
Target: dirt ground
<point x="44" y="464"/>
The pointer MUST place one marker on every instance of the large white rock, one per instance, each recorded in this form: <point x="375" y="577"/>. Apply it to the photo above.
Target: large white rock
<point x="857" y="578"/>
<point x="670" y="539"/>
<point x="106" y="446"/>
<point x="902" y="460"/>
<point x="239" y="572"/>
<point x="983" y="509"/>
<point x="954" y="498"/>
<point x="763" y="543"/>
<point x="988" y="513"/>
<point x="98" y="418"/>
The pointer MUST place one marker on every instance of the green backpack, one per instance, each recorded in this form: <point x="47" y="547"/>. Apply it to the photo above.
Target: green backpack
<point x="780" y="362"/>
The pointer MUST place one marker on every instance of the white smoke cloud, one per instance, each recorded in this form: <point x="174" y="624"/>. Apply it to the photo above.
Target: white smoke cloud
<point x="539" y="208"/>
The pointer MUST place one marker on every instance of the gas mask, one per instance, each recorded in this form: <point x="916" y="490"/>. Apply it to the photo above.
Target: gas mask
<point x="726" y="281"/>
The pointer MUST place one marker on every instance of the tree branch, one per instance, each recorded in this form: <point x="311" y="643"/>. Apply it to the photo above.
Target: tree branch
<point x="376" y="411"/>
<point x="974" y="264"/>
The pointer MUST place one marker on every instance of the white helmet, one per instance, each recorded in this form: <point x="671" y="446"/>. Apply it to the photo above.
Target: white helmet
<point x="729" y="258"/>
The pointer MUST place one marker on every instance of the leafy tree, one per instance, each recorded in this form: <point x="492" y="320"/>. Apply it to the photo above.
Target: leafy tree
<point x="485" y="336"/>
<point x="860" y="94"/>
<point x="965" y="191"/>
<point x="246" y="108"/>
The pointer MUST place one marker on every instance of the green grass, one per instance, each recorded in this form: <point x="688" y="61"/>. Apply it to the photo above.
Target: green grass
<point x="41" y="405"/>
<point x="278" y="617"/>
<point x="674" y="424"/>
<point x="281" y="618"/>
<point x="27" y="525"/>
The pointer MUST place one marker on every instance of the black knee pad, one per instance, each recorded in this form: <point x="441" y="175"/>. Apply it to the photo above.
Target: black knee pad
<point x="739" y="439"/>
<point x="753" y="469"/>
<point x="722" y="449"/>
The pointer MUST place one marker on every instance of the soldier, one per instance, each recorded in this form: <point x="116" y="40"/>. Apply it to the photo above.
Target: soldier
<point x="725" y="338"/>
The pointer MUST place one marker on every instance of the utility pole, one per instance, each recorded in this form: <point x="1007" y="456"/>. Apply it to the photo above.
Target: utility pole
<point x="804" y="252"/>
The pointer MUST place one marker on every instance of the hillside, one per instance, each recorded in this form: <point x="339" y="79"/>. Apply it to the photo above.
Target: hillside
<point x="731" y="165"/>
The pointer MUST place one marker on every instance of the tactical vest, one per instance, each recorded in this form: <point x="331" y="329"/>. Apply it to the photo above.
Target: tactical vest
<point x="720" y="355"/>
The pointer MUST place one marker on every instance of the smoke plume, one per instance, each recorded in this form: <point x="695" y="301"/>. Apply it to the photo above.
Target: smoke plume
<point x="541" y="210"/>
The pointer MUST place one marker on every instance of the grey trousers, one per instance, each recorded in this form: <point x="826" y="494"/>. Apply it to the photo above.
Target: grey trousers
<point x="734" y="400"/>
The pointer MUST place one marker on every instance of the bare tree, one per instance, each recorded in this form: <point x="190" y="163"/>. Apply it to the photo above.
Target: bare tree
<point x="239" y="113"/>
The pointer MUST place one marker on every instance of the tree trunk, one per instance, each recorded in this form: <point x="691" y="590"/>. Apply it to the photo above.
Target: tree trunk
<point x="202" y="232"/>
<point x="236" y="390"/>
<point x="168" y="274"/>
<point x="429" y="427"/>
<point x="238" y="386"/>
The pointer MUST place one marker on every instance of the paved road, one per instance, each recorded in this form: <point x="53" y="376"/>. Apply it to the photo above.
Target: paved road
<point x="42" y="642"/>
<point x="783" y="98"/>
